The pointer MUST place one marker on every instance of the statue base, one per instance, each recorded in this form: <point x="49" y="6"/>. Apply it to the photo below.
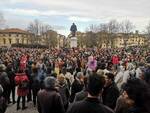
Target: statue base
<point x="73" y="42"/>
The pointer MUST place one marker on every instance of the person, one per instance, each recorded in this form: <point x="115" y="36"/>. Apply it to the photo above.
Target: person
<point x="129" y="73"/>
<point x="92" y="102"/>
<point x="139" y="70"/>
<point x="63" y="90"/>
<point x="119" y="77"/>
<point x="22" y="82"/>
<point x="82" y="94"/>
<point x="49" y="99"/>
<point x="110" y="92"/>
<point x="3" y="104"/>
<point x="5" y="82"/>
<point x="123" y="103"/>
<point x="77" y="85"/>
<point x="135" y="97"/>
<point x="11" y="75"/>
<point x="147" y="71"/>
<point x="35" y="84"/>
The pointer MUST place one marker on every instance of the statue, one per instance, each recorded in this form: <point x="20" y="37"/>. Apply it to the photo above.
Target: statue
<point x="73" y="30"/>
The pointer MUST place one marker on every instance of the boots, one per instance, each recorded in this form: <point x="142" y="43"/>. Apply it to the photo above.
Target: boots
<point x="18" y="102"/>
<point x="23" y="103"/>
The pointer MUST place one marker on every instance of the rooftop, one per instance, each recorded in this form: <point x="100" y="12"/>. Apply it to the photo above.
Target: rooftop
<point x="14" y="30"/>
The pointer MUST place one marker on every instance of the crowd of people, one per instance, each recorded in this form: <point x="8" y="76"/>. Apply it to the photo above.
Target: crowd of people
<point x="76" y="80"/>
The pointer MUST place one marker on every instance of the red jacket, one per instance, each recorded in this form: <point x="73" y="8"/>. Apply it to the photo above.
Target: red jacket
<point x="20" y="77"/>
<point x="115" y="60"/>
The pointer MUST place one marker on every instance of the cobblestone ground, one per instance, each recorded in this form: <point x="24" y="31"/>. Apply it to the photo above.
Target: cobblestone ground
<point x="12" y="109"/>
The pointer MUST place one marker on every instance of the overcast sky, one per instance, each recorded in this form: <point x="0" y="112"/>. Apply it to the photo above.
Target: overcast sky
<point x="62" y="13"/>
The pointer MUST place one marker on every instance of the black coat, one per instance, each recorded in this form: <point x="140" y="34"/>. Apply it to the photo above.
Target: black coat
<point x="4" y="80"/>
<point x="81" y="95"/>
<point x="76" y="87"/>
<point x="35" y="84"/>
<point x="110" y="95"/>
<point x="3" y="105"/>
<point x="49" y="101"/>
<point x="64" y="93"/>
<point x="89" y="105"/>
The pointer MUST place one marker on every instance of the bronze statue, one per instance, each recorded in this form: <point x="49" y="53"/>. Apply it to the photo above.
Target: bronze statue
<point x="73" y="30"/>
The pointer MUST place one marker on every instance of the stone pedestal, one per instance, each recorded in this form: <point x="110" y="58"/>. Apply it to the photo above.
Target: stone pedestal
<point x="73" y="42"/>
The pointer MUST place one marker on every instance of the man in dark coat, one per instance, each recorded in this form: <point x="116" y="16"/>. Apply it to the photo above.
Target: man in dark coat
<point x="11" y="75"/>
<point x="5" y="82"/>
<point x="147" y="71"/>
<point x="77" y="85"/>
<point x="63" y="90"/>
<point x="110" y="92"/>
<point x="48" y="99"/>
<point x="35" y="86"/>
<point x="3" y="104"/>
<point x="82" y="94"/>
<point x="92" y="103"/>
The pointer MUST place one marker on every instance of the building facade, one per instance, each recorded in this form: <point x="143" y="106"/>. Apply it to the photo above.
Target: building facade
<point x="8" y="37"/>
<point x="14" y="36"/>
<point x="117" y="40"/>
<point x="11" y="36"/>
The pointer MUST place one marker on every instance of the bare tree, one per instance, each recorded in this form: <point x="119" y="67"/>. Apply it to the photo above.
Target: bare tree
<point x="148" y="32"/>
<point x="126" y="28"/>
<point x="113" y="28"/>
<point x="81" y="39"/>
<point x="2" y="20"/>
<point x="51" y="38"/>
<point x="90" y="39"/>
<point x="34" y="27"/>
<point x="37" y="28"/>
<point x="102" y="35"/>
<point x="94" y="28"/>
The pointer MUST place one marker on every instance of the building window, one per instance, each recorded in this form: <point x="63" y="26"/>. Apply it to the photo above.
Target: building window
<point x="22" y="40"/>
<point x="9" y="35"/>
<point x="3" y="34"/>
<point x="10" y="41"/>
<point x="4" y="40"/>
<point x="17" y="41"/>
<point x="17" y="35"/>
<point x="27" y="41"/>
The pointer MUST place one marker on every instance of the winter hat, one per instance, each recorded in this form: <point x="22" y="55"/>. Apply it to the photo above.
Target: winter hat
<point x="49" y="82"/>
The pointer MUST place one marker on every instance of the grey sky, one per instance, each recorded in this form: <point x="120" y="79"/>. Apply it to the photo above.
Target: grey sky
<point x="80" y="11"/>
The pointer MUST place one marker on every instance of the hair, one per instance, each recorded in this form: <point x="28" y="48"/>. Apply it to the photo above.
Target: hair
<point x="61" y="78"/>
<point x="34" y="70"/>
<point x="49" y="82"/>
<point x="79" y="75"/>
<point x="95" y="84"/>
<point x="139" y="91"/>
<point x="110" y="76"/>
<point x="54" y="75"/>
